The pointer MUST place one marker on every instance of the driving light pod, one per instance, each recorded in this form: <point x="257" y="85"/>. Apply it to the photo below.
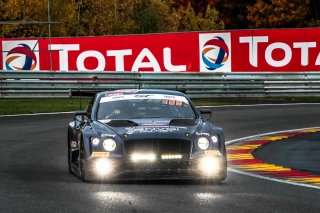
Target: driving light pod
<point x="95" y="141"/>
<point x="109" y="144"/>
<point x="171" y="157"/>
<point x="137" y="157"/>
<point x="214" y="138"/>
<point x="209" y="165"/>
<point x="103" y="167"/>
<point x="203" y="143"/>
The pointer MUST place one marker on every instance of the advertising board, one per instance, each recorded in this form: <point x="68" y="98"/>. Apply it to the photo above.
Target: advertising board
<point x="276" y="50"/>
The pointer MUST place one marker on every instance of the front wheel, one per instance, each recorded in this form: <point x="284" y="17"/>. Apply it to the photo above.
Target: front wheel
<point x="223" y="173"/>
<point x="84" y="173"/>
<point x="69" y="156"/>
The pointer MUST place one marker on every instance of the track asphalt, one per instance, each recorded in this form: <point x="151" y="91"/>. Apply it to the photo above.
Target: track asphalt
<point x="34" y="176"/>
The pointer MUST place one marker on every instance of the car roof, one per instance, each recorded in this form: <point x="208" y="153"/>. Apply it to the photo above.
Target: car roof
<point x="143" y="91"/>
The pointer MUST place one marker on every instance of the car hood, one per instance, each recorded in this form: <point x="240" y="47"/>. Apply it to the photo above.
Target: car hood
<point x="151" y="128"/>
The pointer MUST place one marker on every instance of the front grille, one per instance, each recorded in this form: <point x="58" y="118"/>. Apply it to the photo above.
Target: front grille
<point x="158" y="146"/>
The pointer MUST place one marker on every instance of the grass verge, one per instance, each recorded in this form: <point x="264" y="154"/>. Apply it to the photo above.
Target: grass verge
<point x="266" y="100"/>
<point x="25" y="106"/>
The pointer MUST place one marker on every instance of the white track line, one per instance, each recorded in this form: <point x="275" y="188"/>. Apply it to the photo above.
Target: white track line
<point x="228" y="143"/>
<point x="33" y="114"/>
<point x="259" y="105"/>
<point x="222" y="106"/>
<point x="273" y="179"/>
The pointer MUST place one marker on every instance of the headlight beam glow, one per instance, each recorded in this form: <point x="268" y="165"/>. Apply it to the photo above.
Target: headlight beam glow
<point x="103" y="167"/>
<point x="209" y="165"/>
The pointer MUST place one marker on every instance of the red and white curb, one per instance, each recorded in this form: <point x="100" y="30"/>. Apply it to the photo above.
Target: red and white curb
<point x="241" y="160"/>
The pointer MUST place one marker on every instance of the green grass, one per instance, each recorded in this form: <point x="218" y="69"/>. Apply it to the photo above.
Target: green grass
<point x="266" y="100"/>
<point x="22" y="106"/>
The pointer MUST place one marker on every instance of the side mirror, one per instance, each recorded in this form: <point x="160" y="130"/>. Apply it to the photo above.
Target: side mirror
<point x="206" y="114"/>
<point x="78" y="115"/>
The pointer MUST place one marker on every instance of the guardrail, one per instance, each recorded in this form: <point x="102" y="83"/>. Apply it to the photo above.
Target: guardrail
<point x="28" y="84"/>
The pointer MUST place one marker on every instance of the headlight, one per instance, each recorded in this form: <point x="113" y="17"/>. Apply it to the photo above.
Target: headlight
<point x="95" y="141"/>
<point x="214" y="138"/>
<point x="203" y="143"/>
<point x="109" y="144"/>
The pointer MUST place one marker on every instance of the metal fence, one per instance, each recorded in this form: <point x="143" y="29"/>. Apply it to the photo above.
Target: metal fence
<point x="28" y="84"/>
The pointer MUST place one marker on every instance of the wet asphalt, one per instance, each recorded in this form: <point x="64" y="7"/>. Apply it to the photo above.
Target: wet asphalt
<point x="34" y="176"/>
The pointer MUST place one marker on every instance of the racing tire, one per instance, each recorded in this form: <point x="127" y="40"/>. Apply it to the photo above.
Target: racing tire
<point x="223" y="175"/>
<point x="69" y="156"/>
<point x="81" y="162"/>
<point x="84" y="175"/>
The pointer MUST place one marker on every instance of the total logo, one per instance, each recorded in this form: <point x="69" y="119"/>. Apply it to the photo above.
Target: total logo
<point x="215" y="52"/>
<point x="20" y="55"/>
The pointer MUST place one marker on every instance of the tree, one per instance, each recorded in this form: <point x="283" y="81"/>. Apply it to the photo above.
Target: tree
<point x="232" y="13"/>
<point x="314" y="19"/>
<point x="94" y="17"/>
<point x="64" y="12"/>
<point x="20" y="10"/>
<point x="211" y="20"/>
<point x="190" y="21"/>
<point x="152" y="16"/>
<point x="37" y="10"/>
<point x="278" y="13"/>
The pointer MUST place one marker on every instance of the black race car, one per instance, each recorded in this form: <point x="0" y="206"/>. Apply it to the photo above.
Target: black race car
<point x="142" y="134"/>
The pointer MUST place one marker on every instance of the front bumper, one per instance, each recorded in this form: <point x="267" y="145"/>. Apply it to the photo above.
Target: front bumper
<point x="201" y="167"/>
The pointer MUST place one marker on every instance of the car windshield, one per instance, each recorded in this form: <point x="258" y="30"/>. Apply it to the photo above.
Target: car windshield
<point x="135" y="106"/>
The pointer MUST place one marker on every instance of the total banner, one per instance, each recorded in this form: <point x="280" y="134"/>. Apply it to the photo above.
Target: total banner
<point x="276" y="50"/>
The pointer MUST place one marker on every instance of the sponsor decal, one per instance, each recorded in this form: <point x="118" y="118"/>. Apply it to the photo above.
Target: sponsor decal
<point x="108" y="135"/>
<point x="212" y="152"/>
<point x="20" y="55"/>
<point x="146" y="60"/>
<point x="113" y="94"/>
<point x="290" y="50"/>
<point x="156" y="123"/>
<point x="203" y="134"/>
<point x="154" y="129"/>
<point x="127" y="91"/>
<point x="215" y="52"/>
<point x="100" y="154"/>
<point x="142" y="97"/>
